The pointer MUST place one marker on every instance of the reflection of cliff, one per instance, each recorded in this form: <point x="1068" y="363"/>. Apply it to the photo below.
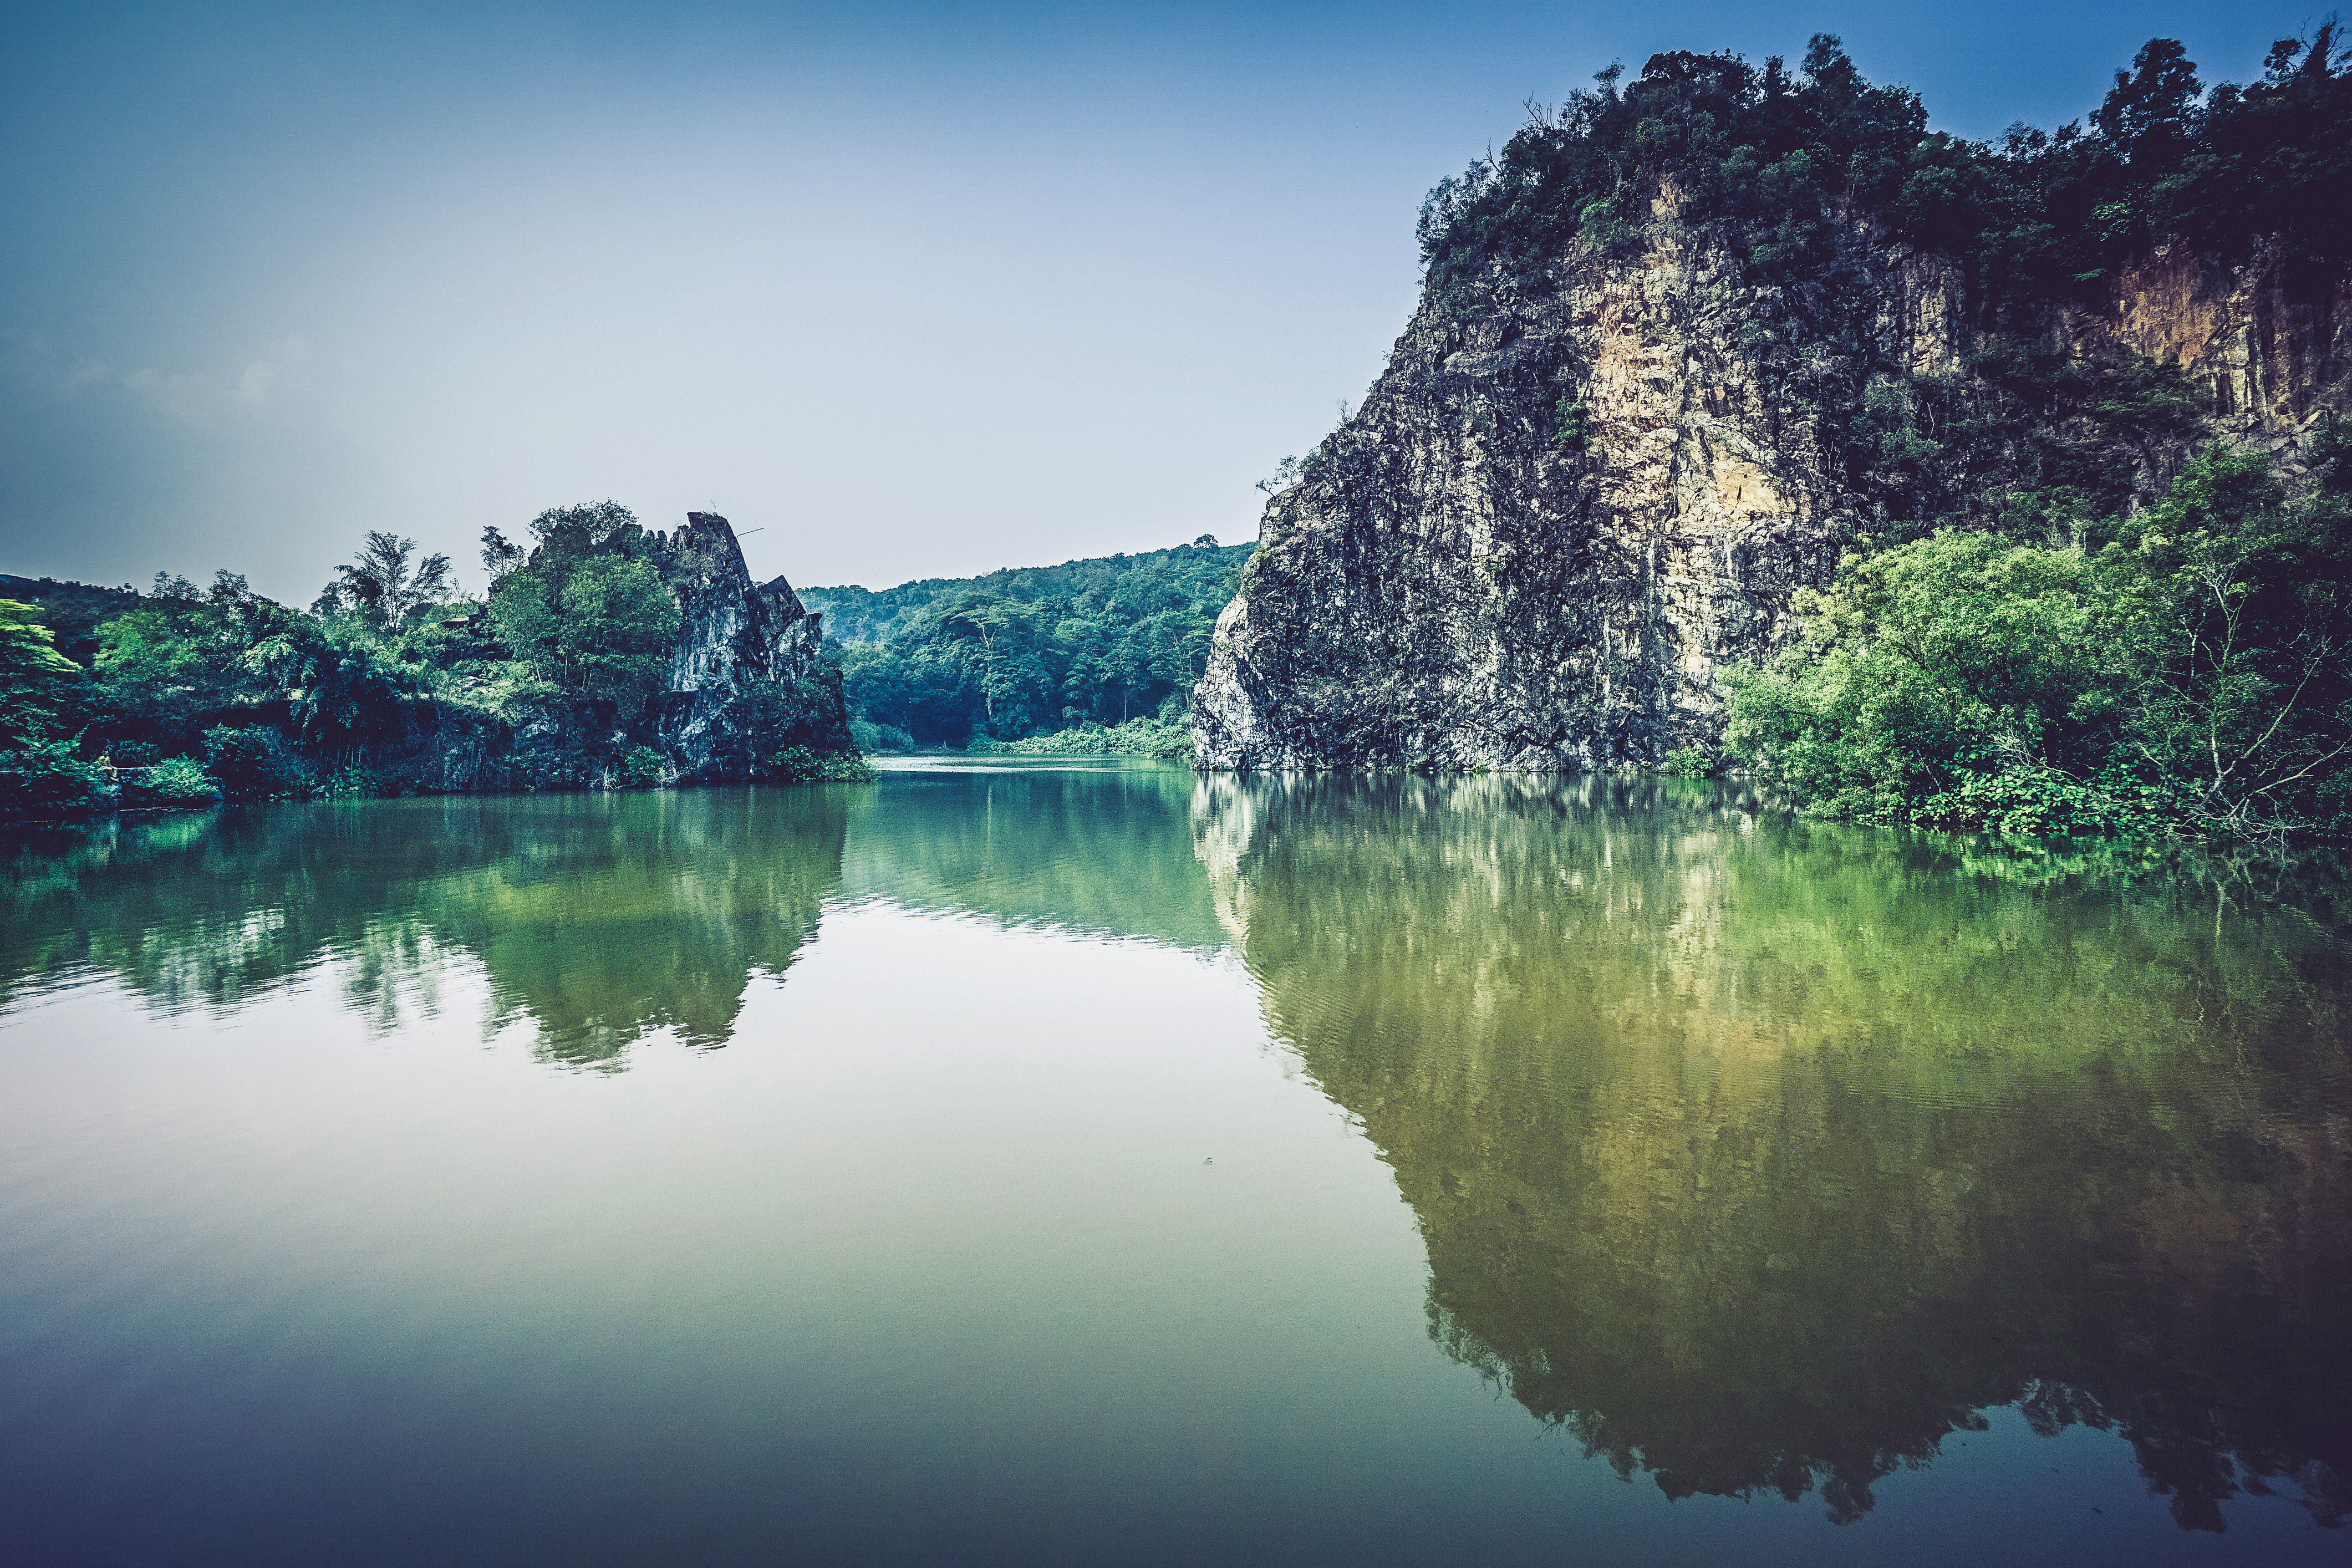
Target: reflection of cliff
<point x="1762" y="1156"/>
<point x="1096" y="851"/>
<point x="600" y="918"/>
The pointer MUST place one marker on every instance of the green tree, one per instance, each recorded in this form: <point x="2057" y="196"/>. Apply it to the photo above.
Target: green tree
<point x="601" y="630"/>
<point x="2196" y="670"/>
<point x="36" y="680"/>
<point x="382" y="586"/>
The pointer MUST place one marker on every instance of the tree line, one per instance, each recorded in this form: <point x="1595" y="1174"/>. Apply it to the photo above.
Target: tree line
<point x="392" y="681"/>
<point x="1089" y="656"/>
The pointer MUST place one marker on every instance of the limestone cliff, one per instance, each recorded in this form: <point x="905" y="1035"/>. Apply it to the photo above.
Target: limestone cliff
<point x="1579" y="492"/>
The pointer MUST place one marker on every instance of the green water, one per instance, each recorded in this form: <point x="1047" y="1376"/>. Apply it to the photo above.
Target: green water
<point x="1080" y="1163"/>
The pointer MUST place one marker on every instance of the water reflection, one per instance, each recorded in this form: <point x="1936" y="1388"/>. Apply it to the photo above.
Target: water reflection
<point x="599" y="918"/>
<point x="1096" y="851"/>
<point x="1758" y="1156"/>
<point x="1763" y="1156"/>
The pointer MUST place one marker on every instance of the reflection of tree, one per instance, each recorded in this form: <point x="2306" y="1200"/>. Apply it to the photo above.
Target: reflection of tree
<point x="1760" y="1155"/>
<point x="600" y="918"/>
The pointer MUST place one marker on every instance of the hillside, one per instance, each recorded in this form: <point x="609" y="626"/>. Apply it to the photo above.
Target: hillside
<point x="1027" y="652"/>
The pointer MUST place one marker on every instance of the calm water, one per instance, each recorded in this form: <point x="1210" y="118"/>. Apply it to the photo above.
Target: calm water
<point x="1094" y="1164"/>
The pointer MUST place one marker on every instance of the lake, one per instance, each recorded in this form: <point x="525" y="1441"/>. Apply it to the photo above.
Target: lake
<point x="1089" y="1162"/>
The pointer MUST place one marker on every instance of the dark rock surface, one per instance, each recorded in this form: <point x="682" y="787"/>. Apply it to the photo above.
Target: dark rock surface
<point x="747" y="677"/>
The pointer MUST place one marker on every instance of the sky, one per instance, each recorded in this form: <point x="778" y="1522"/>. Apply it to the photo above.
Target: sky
<point x="912" y="290"/>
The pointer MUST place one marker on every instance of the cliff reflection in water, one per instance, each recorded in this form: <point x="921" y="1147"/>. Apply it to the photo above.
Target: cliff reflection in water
<point x="1762" y="1155"/>
<point x="598" y="918"/>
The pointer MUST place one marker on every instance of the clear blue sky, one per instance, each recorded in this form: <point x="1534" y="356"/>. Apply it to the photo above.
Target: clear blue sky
<point x="923" y="289"/>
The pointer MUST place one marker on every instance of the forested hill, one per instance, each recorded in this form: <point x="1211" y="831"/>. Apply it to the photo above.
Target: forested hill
<point x="1029" y="651"/>
<point x="1104" y="586"/>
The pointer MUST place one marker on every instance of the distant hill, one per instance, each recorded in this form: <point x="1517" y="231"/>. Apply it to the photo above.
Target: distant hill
<point x="72" y="611"/>
<point x="1106" y="585"/>
<point x="1031" y="651"/>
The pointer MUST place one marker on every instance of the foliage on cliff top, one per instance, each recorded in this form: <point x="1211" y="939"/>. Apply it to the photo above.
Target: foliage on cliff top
<point x="1787" y="160"/>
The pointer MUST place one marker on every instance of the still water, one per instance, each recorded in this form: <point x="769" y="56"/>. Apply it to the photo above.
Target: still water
<point x="1092" y="1163"/>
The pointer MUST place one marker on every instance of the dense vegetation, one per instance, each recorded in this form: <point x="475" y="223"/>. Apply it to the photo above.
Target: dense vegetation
<point x="1088" y="656"/>
<point x="2188" y="665"/>
<point x="392" y="682"/>
<point x="1789" y="161"/>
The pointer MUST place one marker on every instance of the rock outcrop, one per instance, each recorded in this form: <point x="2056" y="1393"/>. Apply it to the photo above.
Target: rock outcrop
<point x="745" y="680"/>
<point x="746" y="653"/>
<point x="1575" y="496"/>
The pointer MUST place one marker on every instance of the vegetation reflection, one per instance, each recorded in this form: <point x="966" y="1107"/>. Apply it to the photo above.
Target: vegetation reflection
<point x="600" y="919"/>
<point x="1761" y="1154"/>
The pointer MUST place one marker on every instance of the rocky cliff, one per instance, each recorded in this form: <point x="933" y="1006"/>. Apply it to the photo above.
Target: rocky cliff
<point x="1579" y="490"/>
<point x="743" y="648"/>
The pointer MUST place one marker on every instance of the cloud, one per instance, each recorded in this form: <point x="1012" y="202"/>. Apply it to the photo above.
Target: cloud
<point x="194" y="399"/>
<point x="44" y="371"/>
<point x="201" y="399"/>
<point x="262" y="377"/>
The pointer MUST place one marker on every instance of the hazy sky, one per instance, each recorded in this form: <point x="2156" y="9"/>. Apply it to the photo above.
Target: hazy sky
<point x="923" y="289"/>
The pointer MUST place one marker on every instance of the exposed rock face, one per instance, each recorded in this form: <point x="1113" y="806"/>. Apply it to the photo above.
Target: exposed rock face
<point x="740" y="645"/>
<point x="1461" y="581"/>
<point x="745" y="680"/>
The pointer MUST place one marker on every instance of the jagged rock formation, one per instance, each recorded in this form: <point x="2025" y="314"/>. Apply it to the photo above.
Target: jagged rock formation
<point x="740" y="646"/>
<point x="745" y="680"/>
<point x="1464" y="579"/>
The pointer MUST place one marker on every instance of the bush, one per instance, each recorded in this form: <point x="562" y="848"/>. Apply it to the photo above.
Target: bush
<point x="798" y="764"/>
<point x="352" y="782"/>
<point x="2041" y="800"/>
<point x="1136" y="737"/>
<point x="174" y="783"/>
<point x="48" y="783"/>
<point x="255" y="764"/>
<point x="1686" y="763"/>
<point x="644" y="768"/>
<point x="879" y="737"/>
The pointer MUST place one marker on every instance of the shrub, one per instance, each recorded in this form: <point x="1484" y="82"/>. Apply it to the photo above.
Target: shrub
<point x="48" y="783"/>
<point x="174" y="783"/>
<point x="644" y="768"/>
<point x="255" y="764"/>
<point x="1688" y="762"/>
<point x="798" y="764"/>
<point x="352" y="782"/>
<point x="1145" y="737"/>
<point x="879" y="737"/>
<point x="2041" y="799"/>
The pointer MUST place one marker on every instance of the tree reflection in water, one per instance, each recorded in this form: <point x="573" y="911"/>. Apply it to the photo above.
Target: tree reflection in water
<point x="1763" y="1155"/>
<point x="1759" y="1155"/>
<point x="600" y="919"/>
